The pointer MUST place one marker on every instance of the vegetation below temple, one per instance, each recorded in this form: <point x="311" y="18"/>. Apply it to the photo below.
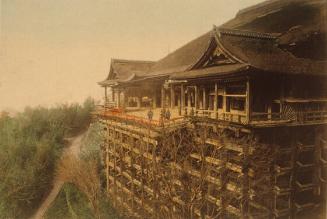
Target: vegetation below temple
<point x="82" y="196"/>
<point x="30" y="144"/>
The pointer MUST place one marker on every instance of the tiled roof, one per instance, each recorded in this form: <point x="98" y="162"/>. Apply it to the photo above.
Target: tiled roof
<point x="183" y="58"/>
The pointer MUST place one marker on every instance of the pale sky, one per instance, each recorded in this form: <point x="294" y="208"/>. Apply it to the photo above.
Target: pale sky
<point x="55" y="51"/>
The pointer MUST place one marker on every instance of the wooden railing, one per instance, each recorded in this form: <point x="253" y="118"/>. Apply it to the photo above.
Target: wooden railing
<point x="312" y="116"/>
<point x="259" y="116"/>
<point x="227" y="116"/>
<point x="241" y="118"/>
<point x="296" y="117"/>
<point x="123" y="115"/>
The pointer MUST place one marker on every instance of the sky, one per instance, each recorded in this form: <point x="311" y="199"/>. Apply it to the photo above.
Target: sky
<point x="55" y="51"/>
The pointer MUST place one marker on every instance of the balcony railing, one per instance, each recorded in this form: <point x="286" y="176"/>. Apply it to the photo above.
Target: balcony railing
<point x="299" y="117"/>
<point x="256" y="118"/>
<point x="137" y="117"/>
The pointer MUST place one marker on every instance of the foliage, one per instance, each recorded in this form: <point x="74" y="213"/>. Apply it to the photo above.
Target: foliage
<point x="83" y="198"/>
<point x="30" y="144"/>
<point x="71" y="203"/>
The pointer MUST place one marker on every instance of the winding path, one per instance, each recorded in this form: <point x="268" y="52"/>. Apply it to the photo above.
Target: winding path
<point x="72" y="150"/>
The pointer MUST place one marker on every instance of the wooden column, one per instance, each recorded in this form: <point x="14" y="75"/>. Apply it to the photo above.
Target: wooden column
<point x="172" y="96"/>
<point x="182" y="98"/>
<point x="215" y="101"/>
<point x="113" y="93"/>
<point x="163" y="97"/>
<point x="269" y="111"/>
<point x="282" y="95"/>
<point x="154" y="100"/>
<point x="118" y="98"/>
<point x="204" y="99"/>
<point x="196" y="97"/>
<point x="189" y="103"/>
<point x="248" y="101"/>
<point x="138" y="102"/>
<point x="224" y="102"/>
<point x="123" y="101"/>
<point x="105" y="95"/>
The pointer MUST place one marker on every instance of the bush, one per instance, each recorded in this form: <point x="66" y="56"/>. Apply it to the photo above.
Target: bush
<point x="83" y="197"/>
<point x="30" y="144"/>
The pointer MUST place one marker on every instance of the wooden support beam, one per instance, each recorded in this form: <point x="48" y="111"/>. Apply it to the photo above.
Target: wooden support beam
<point x="113" y="93"/>
<point x="269" y="110"/>
<point x="118" y="98"/>
<point x="282" y="94"/>
<point x="215" y="101"/>
<point x="189" y="104"/>
<point x="196" y="97"/>
<point x="154" y="100"/>
<point x="107" y="160"/>
<point x="204" y="100"/>
<point x="105" y="95"/>
<point x="172" y="96"/>
<point x="182" y="98"/>
<point x="163" y="97"/>
<point x="138" y="102"/>
<point x="123" y="102"/>
<point x="248" y="101"/>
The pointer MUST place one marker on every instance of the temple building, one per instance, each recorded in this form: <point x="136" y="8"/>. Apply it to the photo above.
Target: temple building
<point x="230" y="125"/>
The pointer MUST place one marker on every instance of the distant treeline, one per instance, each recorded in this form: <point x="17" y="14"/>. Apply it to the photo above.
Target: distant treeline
<point x="30" y="144"/>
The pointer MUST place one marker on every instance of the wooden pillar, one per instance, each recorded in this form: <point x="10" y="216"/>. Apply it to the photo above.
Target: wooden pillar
<point x="107" y="158"/>
<point x="154" y="100"/>
<point x="138" y="102"/>
<point x="113" y="93"/>
<point x="215" y="101"/>
<point x="105" y="95"/>
<point x="196" y="97"/>
<point x="282" y="96"/>
<point x="123" y="101"/>
<point x="269" y="111"/>
<point x="163" y="97"/>
<point x="182" y="98"/>
<point x="189" y="103"/>
<point x="204" y="99"/>
<point x="172" y="96"/>
<point x="118" y="98"/>
<point x="248" y="101"/>
<point x="224" y="102"/>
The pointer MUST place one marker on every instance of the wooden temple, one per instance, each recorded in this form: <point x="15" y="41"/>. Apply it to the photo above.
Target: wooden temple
<point x="230" y="125"/>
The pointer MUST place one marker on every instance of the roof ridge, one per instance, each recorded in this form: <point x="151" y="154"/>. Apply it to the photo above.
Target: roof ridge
<point x="246" y="33"/>
<point x="130" y="60"/>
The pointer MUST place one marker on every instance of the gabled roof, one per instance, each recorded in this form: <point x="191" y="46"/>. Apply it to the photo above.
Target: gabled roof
<point x="274" y="36"/>
<point x="125" y="70"/>
<point x="301" y="25"/>
<point x="183" y="58"/>
<point x="278" y="16"/>
<point x="264" y="54"/>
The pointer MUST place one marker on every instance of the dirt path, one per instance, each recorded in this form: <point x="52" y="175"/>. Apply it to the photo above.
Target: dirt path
<point x="72" y="150"/>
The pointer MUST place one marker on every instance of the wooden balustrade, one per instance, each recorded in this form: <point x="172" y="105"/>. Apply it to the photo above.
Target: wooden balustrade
<point x="237" y="117"/>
